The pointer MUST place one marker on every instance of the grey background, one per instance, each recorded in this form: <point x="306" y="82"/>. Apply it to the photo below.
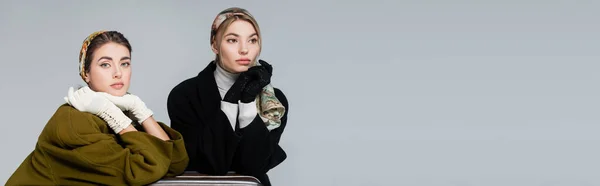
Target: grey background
<point x="428" y="93"/>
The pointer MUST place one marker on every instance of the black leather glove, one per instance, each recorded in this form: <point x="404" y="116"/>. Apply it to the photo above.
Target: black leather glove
<point x="258" y="77"/>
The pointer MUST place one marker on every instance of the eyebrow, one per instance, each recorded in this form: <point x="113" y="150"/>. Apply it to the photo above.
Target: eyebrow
<point x="105" y="57"/>
<point x="236" y="35"/>
<point x="110" y="58"/>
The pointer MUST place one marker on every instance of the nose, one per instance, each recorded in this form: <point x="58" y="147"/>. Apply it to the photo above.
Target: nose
<point x="243" y="49"/>
<point x="117" y="73"/>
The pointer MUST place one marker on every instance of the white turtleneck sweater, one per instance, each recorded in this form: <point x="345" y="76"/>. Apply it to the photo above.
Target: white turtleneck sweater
<point x="247" y="111"/>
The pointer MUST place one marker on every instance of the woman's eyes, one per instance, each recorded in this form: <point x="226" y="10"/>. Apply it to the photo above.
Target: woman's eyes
<point x="107" y="65"/>
<point x="253" y="40"/>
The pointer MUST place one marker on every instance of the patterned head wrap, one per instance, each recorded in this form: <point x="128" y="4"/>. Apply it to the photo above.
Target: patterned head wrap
<point x="83" y="51"/>
<point x="224" y="15"/>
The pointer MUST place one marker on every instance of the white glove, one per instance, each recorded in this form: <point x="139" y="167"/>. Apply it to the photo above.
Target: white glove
<point x="86" y="100"/>
<point x="130" y="102"/>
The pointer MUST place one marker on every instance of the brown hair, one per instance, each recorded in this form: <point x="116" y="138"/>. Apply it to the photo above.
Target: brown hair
<point x="100" y="40"/>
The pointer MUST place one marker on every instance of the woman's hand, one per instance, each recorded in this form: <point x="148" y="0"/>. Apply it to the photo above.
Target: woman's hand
<point x="132" y="103"/>
<point x="250" y="83"/>
<point x="143" y="114"/>
<point x="259" y="77"/>
<point x="86" y="100"/>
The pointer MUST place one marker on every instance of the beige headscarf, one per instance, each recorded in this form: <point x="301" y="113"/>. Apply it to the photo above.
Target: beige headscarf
<point x="83" y="51"/>
<point x="270" y="108"/>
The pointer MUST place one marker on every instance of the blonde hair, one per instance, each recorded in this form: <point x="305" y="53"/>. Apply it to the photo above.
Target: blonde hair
<point x="217" y="35"/>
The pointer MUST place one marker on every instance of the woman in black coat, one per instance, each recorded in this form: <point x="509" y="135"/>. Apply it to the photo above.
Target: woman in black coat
<point x="230" y="116"/>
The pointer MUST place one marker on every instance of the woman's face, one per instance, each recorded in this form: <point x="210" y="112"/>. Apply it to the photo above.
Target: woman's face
<point x="239" y="46"/>
<point x="110" y="69"/>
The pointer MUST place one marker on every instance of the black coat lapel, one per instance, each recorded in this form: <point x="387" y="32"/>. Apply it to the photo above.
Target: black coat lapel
<point x="210" y="98"/>
<point x="222" y="140"/>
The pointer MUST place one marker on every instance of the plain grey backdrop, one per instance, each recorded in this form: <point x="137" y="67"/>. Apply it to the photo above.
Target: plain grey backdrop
<point x="409" y="92"/>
